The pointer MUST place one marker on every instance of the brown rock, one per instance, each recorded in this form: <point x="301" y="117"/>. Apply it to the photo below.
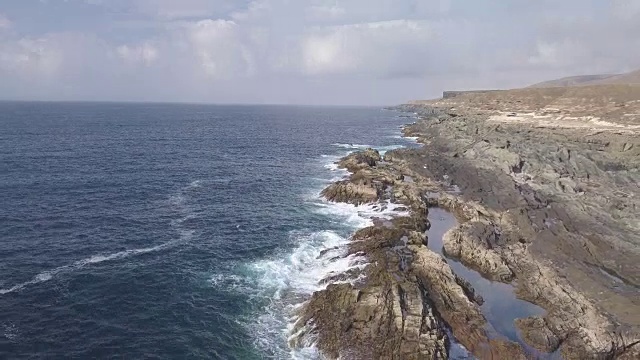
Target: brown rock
<point x="384" y="317"/>
<point x="468" y="244"/>
<point x="359" y="160"/>
<point x="536" y="333"/>
<point x="463" y="316"/>
<point x="348" y="192"/>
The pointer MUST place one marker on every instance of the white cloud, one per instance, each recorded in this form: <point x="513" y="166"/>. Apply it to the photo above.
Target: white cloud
<point x="69" y="59"/>
<point x="327" y="53"/>
<point x="627" y="9"/>
<point x="324" y="50"/>
<point x="220" y="48"/>
<point x="325" y="12"/>
<point x="256" y="10"/>
<point x="172" y="9"/>
<point x="604" y="42"/>
<point x="362" y="11"/>
<point x="31" y="56"/>
<point x="546" y="54"/>
<point x="377" y="48"/>
<point x="5" y="23"/>
<point x="561" y="54"/>
<point x="144" y="54"/>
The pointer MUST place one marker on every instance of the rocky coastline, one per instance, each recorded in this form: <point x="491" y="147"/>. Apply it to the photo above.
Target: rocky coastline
<point x="531" y="212"/>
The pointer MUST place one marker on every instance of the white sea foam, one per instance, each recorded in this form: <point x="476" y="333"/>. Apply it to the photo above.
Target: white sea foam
<point x="178" y="222"/>
<point x="330" y="161"/>
<point x="332" y="166"/>
<point x="94" y="259"/>
<point x="359" y="216"/>
<point x="231" y="282"/>
<point x="301" y="271"/>
<point x="381" y="149"/>
<point x="384" y="149"/>
<point x="178" y="200"/>
<point x="10" y="332"/>
<point x="288" y="280"/>
<point x="351" y="146"/>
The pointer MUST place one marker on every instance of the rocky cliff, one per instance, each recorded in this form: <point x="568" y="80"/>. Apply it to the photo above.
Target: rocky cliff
<point x="544" y="185"/>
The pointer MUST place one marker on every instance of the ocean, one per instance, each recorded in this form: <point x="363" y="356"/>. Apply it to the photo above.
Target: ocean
<point x="136" y="231"/>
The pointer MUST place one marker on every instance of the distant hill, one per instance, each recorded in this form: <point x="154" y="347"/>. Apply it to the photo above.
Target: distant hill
<point x="628" y="78"/>
<point x="572" y="81"/>
<point x="584" y="80"/>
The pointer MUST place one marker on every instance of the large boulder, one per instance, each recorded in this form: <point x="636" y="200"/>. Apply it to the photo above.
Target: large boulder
<point x="384" y="315"/>
<point x="535" y="331"/>
<point x="352" y="193"/>
<point x="359" y="160"/>
<point x="467" y="243"/>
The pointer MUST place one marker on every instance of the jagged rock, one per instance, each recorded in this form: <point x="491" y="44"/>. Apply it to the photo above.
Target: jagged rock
<point x="515" y="197"/>
<point x="562" y="197"/>
<point x="417" y="221"/>
<point x="360" y="160"/>
<point x="468" y="243"/>
<point x="469" y="291"/>
<point x="463" y="316"/>
<point x="386" y="316"/>
<point x="417" y="238"/>
<point x="348" y="192"/>
<point x="376" y="237"/>
<point x="537" y="334"/>
<point x="385" y="320"/>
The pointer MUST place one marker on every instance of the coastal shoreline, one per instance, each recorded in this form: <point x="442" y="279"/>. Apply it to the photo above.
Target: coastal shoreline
<point x="408" y="303"/>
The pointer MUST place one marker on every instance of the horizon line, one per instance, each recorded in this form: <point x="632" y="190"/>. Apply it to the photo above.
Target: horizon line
<point x="154" y="102"/>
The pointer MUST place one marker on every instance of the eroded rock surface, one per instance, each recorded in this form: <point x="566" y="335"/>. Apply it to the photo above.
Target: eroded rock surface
<point x="402" y="303"/>
<point x="544" y="184"/>
<point x="548" y="184"/>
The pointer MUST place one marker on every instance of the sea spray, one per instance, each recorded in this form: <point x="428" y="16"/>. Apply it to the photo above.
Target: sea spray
<point x="101" y="186"/>
<point x="317" y="260"/>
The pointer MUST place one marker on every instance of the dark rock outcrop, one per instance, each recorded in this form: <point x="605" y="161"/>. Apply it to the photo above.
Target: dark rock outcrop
<point x="352" y="193"/>
<point x="401" y="304"/>
<point x="546" y="197"/>
<point x="360" y="160"/>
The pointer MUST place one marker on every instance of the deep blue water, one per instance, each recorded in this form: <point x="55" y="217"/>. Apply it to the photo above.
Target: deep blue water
<point x="168" y="231"/>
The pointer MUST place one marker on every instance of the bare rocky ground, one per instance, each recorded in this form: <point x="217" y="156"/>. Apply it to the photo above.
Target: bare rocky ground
<point x="403" y="303"/>
<point x="544" y="183"/>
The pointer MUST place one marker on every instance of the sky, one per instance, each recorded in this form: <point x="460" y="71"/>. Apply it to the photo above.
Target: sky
<point x="341" y="52"/>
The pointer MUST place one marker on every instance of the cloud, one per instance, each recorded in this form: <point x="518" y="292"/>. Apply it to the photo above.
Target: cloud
<point x="144" y="54"/>
<point x="172" y="9"/>
<point x="220" y="48"/>
<point x="377" y="48"/>
<point x="5" y="23"/>
<point x="31" y="56"/>
<point x="556" y="54"/>
<point x="325" y="12"/>
<point x="601" y="42"/>
<point x="55" y="66"/>
<point x="626" y="9"/>
<point x="365" y="11"/>
<point x="319" y="51"/>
